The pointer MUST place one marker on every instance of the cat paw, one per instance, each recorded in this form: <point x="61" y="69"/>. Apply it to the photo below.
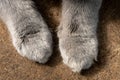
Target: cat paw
<point x="36" y="46"/>
<point x="77" y="53"/>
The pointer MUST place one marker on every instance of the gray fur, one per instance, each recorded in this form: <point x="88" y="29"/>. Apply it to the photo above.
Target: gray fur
<point x="30" y="34"/>
<point x="77" y="31"/>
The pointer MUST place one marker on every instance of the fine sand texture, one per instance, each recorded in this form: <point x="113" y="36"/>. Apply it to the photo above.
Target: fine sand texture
<point x="15" y="67"/>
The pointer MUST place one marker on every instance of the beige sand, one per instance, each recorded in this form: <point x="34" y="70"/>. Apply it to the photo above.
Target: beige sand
<point x="15" y="67"/>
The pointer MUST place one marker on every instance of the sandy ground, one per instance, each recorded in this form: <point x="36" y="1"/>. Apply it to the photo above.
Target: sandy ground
<point x="15" y="67"/>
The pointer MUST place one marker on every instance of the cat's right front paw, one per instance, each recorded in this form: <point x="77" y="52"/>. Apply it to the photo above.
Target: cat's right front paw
<point x="35" y="46"/>
<point x="78" y="53"/>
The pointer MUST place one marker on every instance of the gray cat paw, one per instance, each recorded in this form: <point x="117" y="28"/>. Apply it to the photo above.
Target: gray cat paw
<point x="78" y="53"/>
<point x="36" y="46"/>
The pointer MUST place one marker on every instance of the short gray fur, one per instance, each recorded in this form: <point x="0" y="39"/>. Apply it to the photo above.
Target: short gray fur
<point x="77" y="31"/>
<point x="29" y="32"/>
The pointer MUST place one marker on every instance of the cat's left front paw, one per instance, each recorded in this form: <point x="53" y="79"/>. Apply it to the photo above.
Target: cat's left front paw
<point x="78" y="53"/>
<point x="35" y="45"/>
